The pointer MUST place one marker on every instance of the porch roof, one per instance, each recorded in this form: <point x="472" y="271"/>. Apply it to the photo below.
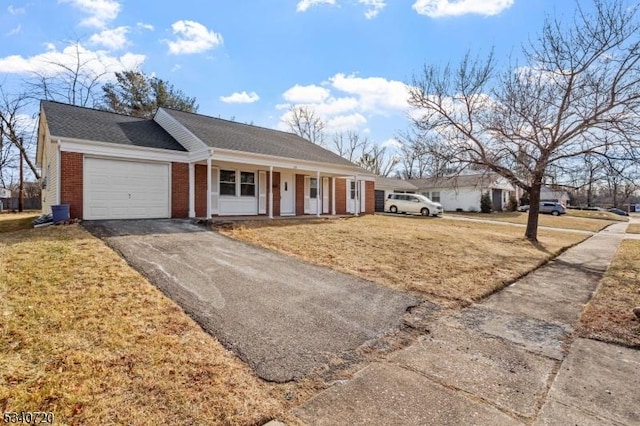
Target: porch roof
<point x="224" y="134"/>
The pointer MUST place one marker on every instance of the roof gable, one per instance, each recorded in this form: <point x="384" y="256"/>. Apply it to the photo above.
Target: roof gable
<point x="69" y="121"/>
<point x="224" y="134"/>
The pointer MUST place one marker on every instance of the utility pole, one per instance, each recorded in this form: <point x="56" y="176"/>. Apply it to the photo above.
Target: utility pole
<point x="21" y="190"/>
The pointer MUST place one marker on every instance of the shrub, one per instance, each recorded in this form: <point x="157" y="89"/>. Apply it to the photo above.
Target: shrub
<point x="485" y="203"/>
<point x="513" y="204"/>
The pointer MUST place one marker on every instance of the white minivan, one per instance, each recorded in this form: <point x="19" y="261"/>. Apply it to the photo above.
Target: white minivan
<point x="412" y="203"/>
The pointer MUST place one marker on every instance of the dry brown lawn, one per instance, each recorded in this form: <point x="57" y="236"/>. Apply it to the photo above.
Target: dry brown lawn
<point x="597" y="215"/>
<point x="16" y="221"/>
<point x="86" y="337"/>
<point x="633" y="228"/>
<point x="440" y="259"/>
<point x="609" y="315"/>
<point x="567" y="221"/>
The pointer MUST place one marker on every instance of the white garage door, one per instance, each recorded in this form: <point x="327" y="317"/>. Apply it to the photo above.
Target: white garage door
<point x="115" y="189"/>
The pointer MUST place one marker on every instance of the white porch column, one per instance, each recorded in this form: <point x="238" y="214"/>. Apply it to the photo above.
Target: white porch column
<point x="209" y="187"/>
<point x="333" y="195"/>
<point x="192" y="190"/>
<point x="356" y="202"/>
<point x="270" y="192"/>
<point x="319" y="196"/>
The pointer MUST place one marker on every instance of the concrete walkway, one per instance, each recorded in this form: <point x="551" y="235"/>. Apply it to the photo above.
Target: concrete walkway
<point x="508" y="360"/>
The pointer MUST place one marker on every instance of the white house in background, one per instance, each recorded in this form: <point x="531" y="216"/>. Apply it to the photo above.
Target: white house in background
<point x="385" y="186"/>
<point x="550" y="194"/>
<point x="463" y="193"/>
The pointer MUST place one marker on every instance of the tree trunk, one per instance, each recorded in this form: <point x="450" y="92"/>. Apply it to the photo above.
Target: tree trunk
<point x="534" y="208"/>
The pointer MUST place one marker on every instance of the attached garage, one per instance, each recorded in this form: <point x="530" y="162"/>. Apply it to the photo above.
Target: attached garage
<point x="379" y="200"/>
<point x="120" y="189"/>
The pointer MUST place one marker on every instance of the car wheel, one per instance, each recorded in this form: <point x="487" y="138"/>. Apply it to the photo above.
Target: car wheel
<point x="555" y="213"/>
<point x="424" y="212"/>
<point x="393" y="209"/>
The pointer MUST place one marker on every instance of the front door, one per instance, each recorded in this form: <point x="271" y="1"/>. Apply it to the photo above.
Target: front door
<point x="496" y="198"/>
<point x="287" y="195"/>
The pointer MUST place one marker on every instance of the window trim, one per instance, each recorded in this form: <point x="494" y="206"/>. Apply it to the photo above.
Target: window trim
<point x="240" y="172"/>
<point x="311" y="188"/>
<point x="234" y="182"/>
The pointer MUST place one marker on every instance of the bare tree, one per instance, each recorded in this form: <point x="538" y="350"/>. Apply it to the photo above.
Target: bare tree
<point x="579" y="93"/>
<point x="416" y="158"/>
<point x="304" y="122"/>
<point x="378" y="161"/>
<point x="76" y="80"/>
<point x="349" y="145"/>
<point x="13" y="134"/>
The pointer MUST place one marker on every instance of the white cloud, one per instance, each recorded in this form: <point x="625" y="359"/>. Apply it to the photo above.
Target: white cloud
<point x="341" y="123"/>
<point x="442" y="8"/>
<point x="392" y="143"/>
<point x="375" y="93"/>
<point x="373" y="7"/>
<point x="306" y="94"/>
<point x="344" y="102"/>
<point x="100" y="12"/>
<point x="16" y="10"/>
<point x="97" y="62"/>
<point x="15" y="31"/>
<point x="49" y="46"/>
<point x="193" y="37"/>
<point x="303" y="5"/>
<point x="113" y="39"/>
<point x="176" y="67"/>
<point x="240" y="98"/>
<point x="144" y="26"/>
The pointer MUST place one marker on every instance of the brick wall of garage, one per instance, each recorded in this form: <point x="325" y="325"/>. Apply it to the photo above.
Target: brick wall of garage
<point x="71" y="182"/>
<point x="341" y="196"/>
<point x="179" y="190"/>
<point x="299" y="195"/>
<point x="201" y="190"/>
<point x="370" y="197"/>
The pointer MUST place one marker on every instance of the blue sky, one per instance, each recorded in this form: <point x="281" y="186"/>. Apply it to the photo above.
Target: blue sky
<point x="252" y="59"/>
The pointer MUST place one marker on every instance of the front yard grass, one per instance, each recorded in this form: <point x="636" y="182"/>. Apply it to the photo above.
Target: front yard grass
<point x="633" y="228"/>
<point x="568" y="221"/>
<point x="16" y="221"/>
<point x="86" y="337"/>
<point x="609" y="315"/>
<point x="439" y="259"/>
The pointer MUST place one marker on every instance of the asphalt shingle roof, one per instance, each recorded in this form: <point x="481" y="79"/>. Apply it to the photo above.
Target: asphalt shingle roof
<point x="68" y="121"/>
<point x="399" y="184"/>
<point x="462" y="181"/>
<point x="223" y="134"/>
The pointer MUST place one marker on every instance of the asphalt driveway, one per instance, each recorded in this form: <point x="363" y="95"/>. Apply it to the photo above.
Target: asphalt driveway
<point x="282" y="316"/>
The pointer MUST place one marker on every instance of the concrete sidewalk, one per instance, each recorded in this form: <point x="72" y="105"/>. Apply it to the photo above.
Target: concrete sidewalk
<point x="508" y="360"/>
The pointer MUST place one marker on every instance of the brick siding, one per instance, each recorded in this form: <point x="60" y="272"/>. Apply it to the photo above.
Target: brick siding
<point x="71" y="182"/>
<point x="299" y="195"/>
<point x="201" y="190"/>
<point x="370" y="197"/>
<point x="179" y="190"/>
<point x="276" y="194"/>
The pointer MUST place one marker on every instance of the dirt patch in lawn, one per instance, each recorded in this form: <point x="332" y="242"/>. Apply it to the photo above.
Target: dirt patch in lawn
<point x="609" y="315"/>
<point x="86" y="337"/>
<point x="567" y="221"/>
<point x="10" y="222"/>
<point x="439" y="259"/>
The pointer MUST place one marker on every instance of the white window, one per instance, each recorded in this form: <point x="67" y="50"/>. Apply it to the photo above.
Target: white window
<point x="247" y="184"/>
<point x="228" y="182"/>
<point x="313" y="188"/>
<point x="435" y="196"/>
<point x="353" y="190"/>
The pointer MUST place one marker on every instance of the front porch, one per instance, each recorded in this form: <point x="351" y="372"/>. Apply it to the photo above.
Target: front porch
<point x="236" y="187"/>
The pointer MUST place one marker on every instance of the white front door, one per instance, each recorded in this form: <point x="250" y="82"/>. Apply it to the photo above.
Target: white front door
<point x="325" y="195"/>
<point x="287" y="194"/>
<point x="351" y="196"/>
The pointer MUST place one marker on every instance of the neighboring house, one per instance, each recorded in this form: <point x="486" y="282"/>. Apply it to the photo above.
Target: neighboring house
<point x="385" y="186"/>
<point x="463" y="192"/>
<point x="178" y="165"/>
<point x="550" y="194"/>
